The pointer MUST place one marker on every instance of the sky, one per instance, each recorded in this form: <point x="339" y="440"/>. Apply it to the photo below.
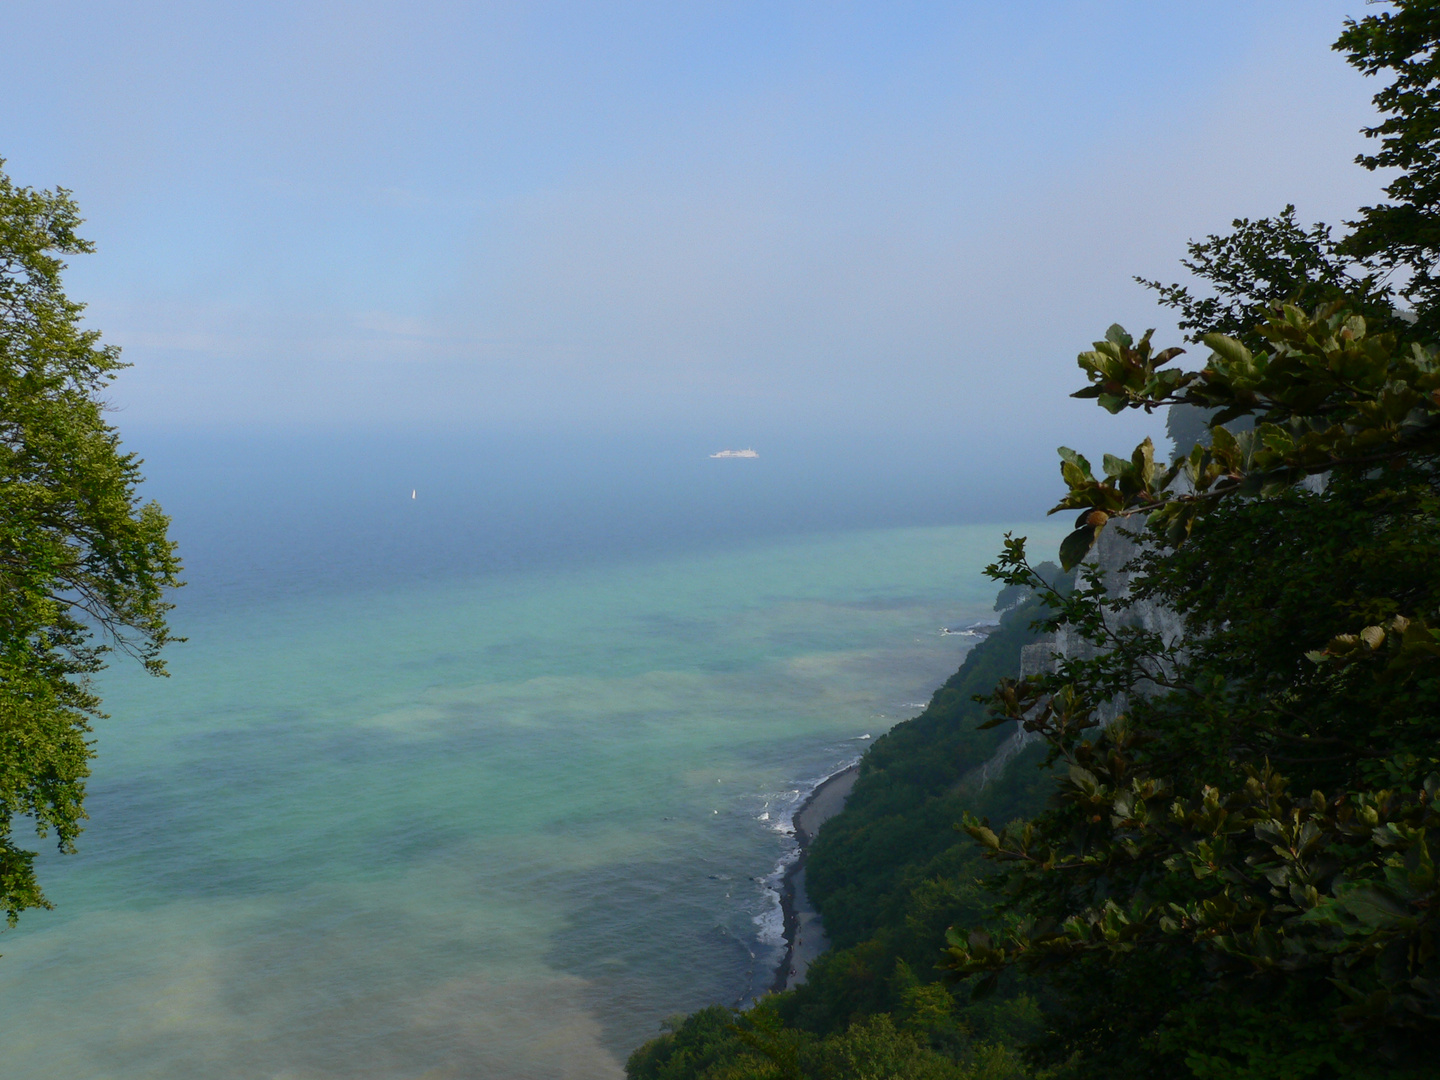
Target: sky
<point x="742" y="220"/>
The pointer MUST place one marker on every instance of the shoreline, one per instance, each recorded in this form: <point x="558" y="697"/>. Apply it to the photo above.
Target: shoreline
<point x="798" y="916"/>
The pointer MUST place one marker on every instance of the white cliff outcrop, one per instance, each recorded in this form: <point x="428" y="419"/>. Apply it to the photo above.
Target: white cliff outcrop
<point x="1113" y="551"/>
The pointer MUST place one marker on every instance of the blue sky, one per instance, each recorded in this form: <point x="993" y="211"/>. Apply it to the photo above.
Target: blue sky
<point x="738" y="219"/>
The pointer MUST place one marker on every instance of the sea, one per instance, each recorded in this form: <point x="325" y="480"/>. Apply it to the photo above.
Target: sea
<point x="480" y="755"/>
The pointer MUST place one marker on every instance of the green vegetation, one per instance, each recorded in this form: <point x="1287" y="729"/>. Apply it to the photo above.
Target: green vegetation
<point x="83" y="564"/>
<point x="1403" y="235"/>
<point x="1233" y="878"/>
<point x="890" y="874"/>
<point x="864" y="867"/>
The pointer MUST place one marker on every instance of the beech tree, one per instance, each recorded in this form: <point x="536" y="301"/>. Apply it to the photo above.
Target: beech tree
<point x="1404" y="234"/>
<point x="1235" y="874"/>
<point x="84" y="563"/>
<point x="1234" y="878"/>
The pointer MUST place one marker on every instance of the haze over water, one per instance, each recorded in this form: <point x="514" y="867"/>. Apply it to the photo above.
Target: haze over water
<point x="478" y="783"/>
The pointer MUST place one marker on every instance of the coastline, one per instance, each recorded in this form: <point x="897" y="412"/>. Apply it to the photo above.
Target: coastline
<point x="801" y="920"/>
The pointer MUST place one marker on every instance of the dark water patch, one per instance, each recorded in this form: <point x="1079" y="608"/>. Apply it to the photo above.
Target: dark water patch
<point x="688" y="941"/>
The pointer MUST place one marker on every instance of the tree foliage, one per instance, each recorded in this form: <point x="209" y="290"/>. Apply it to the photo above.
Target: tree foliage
<point x="1328" y="395"/>
<point x="1252" y="271"/>
<point x="84" y="564"/>
<point x="1404" y="235"/>
<point x="1236" y="877"/>
<point x="1262" y="264"/>
<point x="720" y="1044"/>
<point x="1255" y="830"/>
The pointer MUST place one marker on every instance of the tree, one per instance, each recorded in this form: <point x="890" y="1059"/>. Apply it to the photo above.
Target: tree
<point x="1235" y="874"/>
<point x="1250" y="271"/>
<point x="84" y="564"/>
<point x="1264" y="263"/>
<point x="1235" y="877"/>
<point x="1403" y="235"/>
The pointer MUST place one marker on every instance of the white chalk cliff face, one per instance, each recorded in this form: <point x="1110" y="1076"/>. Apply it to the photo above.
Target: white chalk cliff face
<point x="1112" y="551"/>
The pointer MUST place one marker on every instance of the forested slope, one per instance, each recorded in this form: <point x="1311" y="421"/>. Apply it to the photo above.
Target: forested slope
<point x="867" y="861"/>
<point x="889" y="874"/>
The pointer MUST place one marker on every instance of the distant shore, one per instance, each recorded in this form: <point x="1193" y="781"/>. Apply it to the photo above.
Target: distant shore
<point x="804" y="936"/>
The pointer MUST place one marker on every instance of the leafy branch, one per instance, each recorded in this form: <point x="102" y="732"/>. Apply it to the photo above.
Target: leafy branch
<point x="1329" y="395"/>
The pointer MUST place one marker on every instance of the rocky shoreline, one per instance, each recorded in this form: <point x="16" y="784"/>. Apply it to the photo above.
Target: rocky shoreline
<point x="804" y="935"/>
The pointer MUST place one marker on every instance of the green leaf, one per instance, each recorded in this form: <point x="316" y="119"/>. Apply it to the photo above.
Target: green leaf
<point x="1224" y="446"/>
<point x="1143" y="460"/>
<point x="1076" y="546"/>
<point x="1276" y="438"/>
<point x="983" y="835"/>
<point x="1078" y="460"/>
<point x="1231" y="351"/>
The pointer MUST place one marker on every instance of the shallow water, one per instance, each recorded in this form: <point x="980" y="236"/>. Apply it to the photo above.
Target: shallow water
<point x="474" y="822"/>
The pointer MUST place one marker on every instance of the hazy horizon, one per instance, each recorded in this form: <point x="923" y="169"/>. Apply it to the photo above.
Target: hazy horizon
<point x="752" y="223"/>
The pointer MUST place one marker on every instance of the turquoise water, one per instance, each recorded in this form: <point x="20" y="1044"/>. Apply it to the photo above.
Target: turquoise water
<point x="475" y="824"/>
